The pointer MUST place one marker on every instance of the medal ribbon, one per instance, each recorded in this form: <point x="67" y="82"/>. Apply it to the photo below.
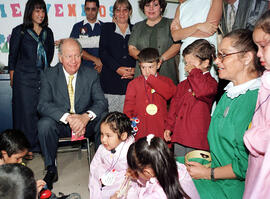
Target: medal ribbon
<point x="150" y="101"/>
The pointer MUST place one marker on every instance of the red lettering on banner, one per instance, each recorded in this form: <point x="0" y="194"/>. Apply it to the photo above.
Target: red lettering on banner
<point x="59" y="10"/>
<point x="71" y="10"/>
<point x="102" y="11"/>
<point x="16" y="10"/>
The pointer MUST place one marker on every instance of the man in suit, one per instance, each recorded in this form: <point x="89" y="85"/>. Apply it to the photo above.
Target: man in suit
<point x="241" y="14"/>
<point x="71" y="100"/>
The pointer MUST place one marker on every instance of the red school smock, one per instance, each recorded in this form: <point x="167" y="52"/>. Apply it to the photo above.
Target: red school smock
<point x="190" y="110"/>
<point x="141" y="92"/>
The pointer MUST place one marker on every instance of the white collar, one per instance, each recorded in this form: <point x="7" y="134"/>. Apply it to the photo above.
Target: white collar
<point x="120" y="146"/>
<point x="85" y="21"/>
<point x="118" y="31"/>
<point x="234" y="91"/>
<point x="205" y="72"/>
<point x="67" y="75"/>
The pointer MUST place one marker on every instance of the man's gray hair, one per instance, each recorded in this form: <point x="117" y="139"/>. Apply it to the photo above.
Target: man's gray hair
<point x="62" y="41"/>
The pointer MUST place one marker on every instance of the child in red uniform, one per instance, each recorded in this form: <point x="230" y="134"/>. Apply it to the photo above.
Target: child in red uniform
<point x="189" y="115"/>
<point x="147" y="95"/>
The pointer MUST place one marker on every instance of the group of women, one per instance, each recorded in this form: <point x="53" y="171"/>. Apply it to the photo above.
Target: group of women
<point x="32" y="48"/>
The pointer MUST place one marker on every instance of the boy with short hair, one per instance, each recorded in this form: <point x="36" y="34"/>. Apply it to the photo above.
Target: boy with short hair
<point x="147" y="95"/>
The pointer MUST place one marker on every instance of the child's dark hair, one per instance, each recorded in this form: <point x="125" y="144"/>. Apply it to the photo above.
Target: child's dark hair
<point x="148" y="55"/>
<point x="17" y="182"/>
<point x="13" y="142"/>
<point x="118" y="122"/>
<point x="157" y="155"/>
<point x="202" y="49"/>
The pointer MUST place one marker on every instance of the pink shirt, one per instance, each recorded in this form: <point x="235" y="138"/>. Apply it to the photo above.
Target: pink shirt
<point x="257" y="140"/>
<point x="152" y="189"/>
<point x="105" y="162"/>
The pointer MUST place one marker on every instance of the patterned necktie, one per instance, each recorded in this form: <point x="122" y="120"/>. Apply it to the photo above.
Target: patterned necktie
<point x="71" y="93"/>
<point x="231" y="18"/>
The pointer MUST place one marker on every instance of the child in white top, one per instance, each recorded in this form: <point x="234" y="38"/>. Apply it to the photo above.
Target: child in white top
<point x="109" y="165"/>
<point x="155" y="173"/>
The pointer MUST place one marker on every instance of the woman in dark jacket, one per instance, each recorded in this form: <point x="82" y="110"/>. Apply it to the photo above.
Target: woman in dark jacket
<point x="118" y="66"/>
<point x="31" y="51"/>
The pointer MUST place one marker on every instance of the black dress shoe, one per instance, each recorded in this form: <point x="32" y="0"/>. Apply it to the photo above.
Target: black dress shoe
<point x="50" y="177"/>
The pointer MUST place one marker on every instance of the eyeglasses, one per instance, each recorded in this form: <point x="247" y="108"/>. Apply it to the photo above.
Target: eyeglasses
<point x="221" y="56"/>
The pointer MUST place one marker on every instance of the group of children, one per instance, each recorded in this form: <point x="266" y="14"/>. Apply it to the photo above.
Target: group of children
<point x="151" y="170"/>
<point x="16" y="181"/>
<point x="147" y="166"/>
<point x="123" y="168"/>
<point x="188" y="119"/>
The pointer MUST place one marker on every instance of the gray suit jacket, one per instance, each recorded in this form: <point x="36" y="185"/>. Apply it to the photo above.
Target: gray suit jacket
<point x="248" y="12"/>
<point x="54" y="98"/>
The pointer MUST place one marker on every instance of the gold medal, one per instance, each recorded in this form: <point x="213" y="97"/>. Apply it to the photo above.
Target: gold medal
<point x="151" y="109"/>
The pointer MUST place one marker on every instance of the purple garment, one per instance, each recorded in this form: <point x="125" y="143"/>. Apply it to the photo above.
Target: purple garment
<point x="152" y="189"/>
<point x="104" y="162"/>
<point x="257" y="140"/>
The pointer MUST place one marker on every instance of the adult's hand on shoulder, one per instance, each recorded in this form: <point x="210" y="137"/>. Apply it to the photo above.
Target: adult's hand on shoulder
<point x="98" y="68"/>
<point x="98" y="62"/>
<point x="198" y="171"/>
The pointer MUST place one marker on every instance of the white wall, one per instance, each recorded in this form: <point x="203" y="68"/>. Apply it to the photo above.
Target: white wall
<point x="62" y="17"/>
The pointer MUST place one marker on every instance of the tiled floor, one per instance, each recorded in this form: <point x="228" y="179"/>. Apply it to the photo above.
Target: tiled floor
<point x="73" y="172"/>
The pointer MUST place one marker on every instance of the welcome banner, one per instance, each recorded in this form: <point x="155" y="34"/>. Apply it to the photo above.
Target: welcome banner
<point x="63" y="14"/>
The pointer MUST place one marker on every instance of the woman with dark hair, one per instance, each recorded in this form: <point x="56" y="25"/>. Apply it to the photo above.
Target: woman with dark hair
<point x="155" y="32"/>
<point x="238" y="63"/>
<point x="118" y="65"/>
<point x="17" y="182"/>
<point x="31" y="51"/>
<point x="152" y="164"/>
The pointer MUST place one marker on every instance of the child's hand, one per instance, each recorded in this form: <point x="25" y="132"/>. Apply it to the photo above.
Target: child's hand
<point x="189" y="68"/>
<point x="167" y="135"/>
<point x="114" y="196"/>
<point x="132" y="174"/>
<point x="40" y="185"/>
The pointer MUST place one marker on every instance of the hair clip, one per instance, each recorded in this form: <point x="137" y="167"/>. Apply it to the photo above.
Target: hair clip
<point x="149" y="138"/>
<point x="134" y="122"/>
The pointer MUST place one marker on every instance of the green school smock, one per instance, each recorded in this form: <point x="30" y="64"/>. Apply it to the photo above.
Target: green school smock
<point x="225" y="137"/>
